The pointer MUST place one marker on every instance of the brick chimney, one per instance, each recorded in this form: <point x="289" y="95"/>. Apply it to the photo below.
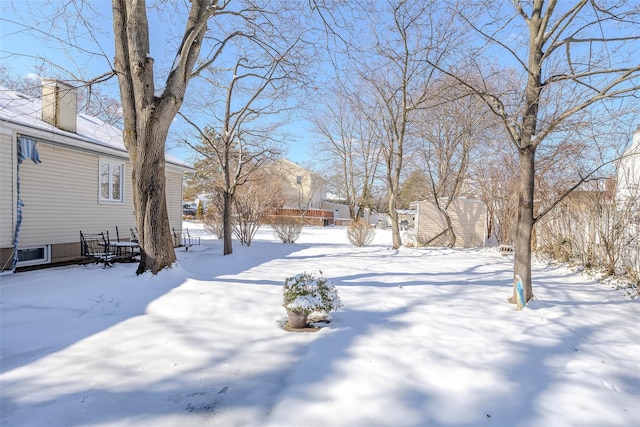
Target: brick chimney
<point x="59" y="104"/>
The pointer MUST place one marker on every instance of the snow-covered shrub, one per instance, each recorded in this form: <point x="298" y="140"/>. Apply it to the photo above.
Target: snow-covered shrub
<point x="212" y="221"/>
<point x="287" y="229"/>
<point x="307" y="293"/>
<point x="360" y="234"/>
<point x="409" y="238"/>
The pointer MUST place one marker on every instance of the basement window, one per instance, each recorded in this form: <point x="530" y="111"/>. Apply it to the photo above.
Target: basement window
<point x="34" y="256"/>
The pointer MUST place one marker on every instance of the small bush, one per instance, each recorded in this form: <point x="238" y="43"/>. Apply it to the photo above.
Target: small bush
<point x="287" y="229"/>
<point x="307" y="293"/>
<point x="212" y="222"/>
<point x="214" y="227"/>
<point x="409" y="238"/>
<point x="360" y="234"/>
<point x="245" y="230"/>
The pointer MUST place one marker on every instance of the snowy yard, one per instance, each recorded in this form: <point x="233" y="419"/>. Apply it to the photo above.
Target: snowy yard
<point x="425" y="338"/>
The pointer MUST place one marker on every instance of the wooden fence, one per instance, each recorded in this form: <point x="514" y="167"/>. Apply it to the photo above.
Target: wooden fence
<point x="319" y="217"/>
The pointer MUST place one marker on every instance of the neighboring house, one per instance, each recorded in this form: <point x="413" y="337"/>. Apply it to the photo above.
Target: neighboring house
<point x="628" y="200"/>
<point x="340" y="210"/>
<point x="342" y="216"/>
<point x="63" y="173"/>
<point x="468" y="217"/>
<point x="303" y="189"/>
<point x="628" y="172"/>
<point x="303" y="193"/>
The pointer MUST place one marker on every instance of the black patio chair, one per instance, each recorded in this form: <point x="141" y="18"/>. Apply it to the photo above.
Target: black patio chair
<point x="96" y="247"/>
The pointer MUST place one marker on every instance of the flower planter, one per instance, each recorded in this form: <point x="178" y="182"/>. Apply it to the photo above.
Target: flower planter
<point x="306" y="293"/>
<point x="297" y="319"/>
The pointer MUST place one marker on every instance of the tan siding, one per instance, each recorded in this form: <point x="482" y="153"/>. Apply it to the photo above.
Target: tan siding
<point x="308" y="193"/>
<point x="174" y="199"/>
<point x="430" y="223"/>
<point x="61" y="198"/>
<point x="7" y="160"/>
<point x="468" y="218"/>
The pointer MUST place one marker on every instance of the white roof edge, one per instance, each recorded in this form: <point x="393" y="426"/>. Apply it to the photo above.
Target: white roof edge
<point x="71" y="139"/>
<point x="66" y="138"/>
<point x="21" y="112"/>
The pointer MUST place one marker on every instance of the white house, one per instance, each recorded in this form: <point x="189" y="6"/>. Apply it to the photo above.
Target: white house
<point x="628" y="200"/>
<point x="628" y="171"/>
<point x="63" y="173"/>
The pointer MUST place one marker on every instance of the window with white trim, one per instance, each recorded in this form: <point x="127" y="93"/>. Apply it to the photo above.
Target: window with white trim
<point x="111" y="188"/>
<point x="34" y="255"/>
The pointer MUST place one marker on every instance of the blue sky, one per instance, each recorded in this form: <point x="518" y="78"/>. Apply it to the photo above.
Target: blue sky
<point x="21" y="50"/>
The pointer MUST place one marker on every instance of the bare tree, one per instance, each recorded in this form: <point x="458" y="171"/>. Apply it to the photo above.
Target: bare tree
<point x="242" y="135"/>
<point x="450" y="133"/>
<point x="573" y="60"/>
<point x="255" y="200"/>
<point x="395" y="65"/>
<point x="348" y="148"/>
<point x="235" y="158"/>
<point x="214" y="214"/>
<point x="259" y="195"/>
<point x="152" y="93"/>
<point x="495" y="182"/>
<point x="149" y="113"/>
<point x="592" y="227"/>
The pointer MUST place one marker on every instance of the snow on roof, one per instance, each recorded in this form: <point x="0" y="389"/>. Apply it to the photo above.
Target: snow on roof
<point x="25" y="110"/>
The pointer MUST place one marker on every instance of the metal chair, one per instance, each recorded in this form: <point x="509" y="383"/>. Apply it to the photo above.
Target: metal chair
<point x="96" y="248"/>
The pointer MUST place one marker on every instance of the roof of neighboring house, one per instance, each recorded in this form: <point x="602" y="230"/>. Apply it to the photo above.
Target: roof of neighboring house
<point x="286" y="163"/>
<point x="444" y="199"/>
<point x="24" y="110"/>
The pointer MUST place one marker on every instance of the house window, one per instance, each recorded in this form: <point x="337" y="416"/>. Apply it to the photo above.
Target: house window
<point x="34" y="256"/>
<point x="111" y="184"/>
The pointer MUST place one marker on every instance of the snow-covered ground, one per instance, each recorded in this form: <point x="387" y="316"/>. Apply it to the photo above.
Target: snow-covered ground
<point x="425" y="338"/>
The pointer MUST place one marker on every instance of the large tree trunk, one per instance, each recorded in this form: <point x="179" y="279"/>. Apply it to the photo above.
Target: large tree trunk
<point x="145" y="131"/>
<point x="147" y="118"/>
<point x="152" y="219"/>
<point x="524" y="227"/>
<point x="527" y="158"/>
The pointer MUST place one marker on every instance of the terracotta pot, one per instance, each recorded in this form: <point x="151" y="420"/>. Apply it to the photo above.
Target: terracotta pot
<point x="297" y="319"/>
